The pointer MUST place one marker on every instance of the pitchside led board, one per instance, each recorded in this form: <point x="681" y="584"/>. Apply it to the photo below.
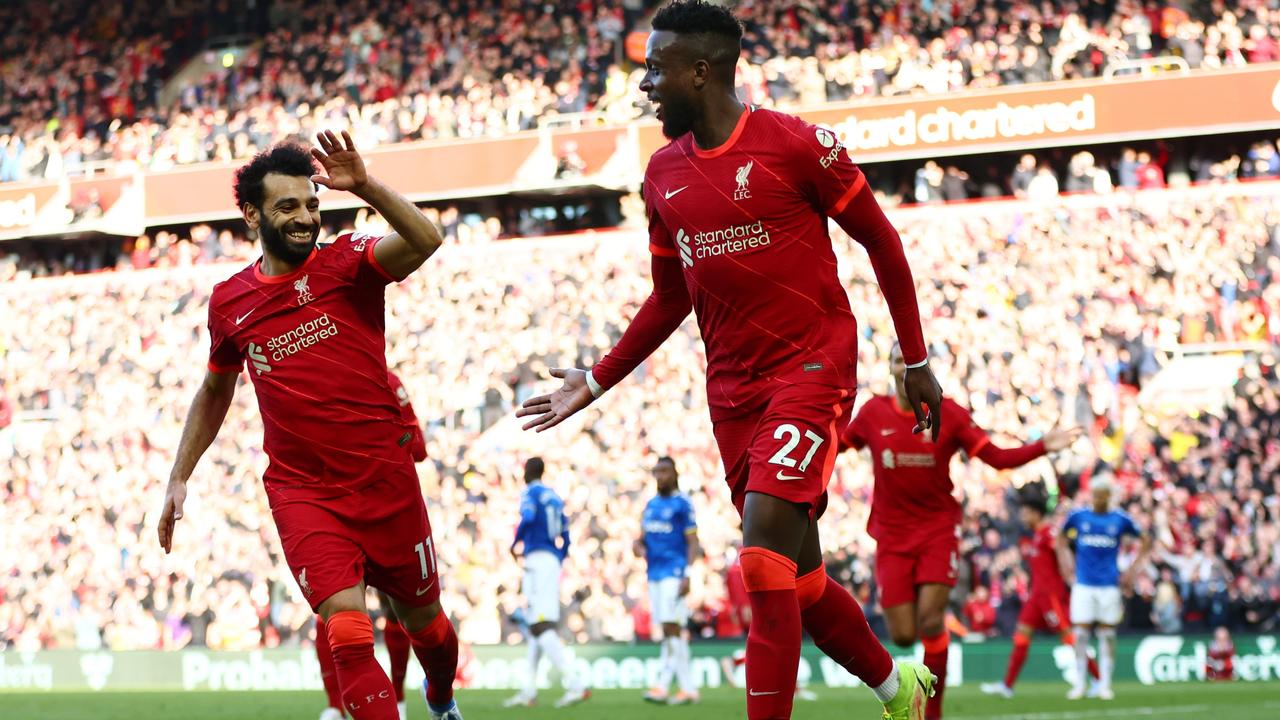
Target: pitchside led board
<point x="1151" y="660"/>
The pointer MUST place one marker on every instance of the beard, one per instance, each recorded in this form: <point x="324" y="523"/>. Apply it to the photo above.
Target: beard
<point x="275" y="243"/>
<point x="677" y="119"/>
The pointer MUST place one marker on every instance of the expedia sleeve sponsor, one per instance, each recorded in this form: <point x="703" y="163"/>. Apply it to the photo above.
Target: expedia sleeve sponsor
<point x="304" y="336"/>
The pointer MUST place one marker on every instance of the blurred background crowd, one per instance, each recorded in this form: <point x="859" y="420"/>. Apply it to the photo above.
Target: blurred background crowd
<point x="90" y="87"/>
<point x="1035" y="310"/>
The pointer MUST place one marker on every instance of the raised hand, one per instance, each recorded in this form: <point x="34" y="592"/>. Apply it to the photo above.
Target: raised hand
<point x="341" y="161"/>
<point x="925" y="395"/>
<point x="552" y="409"/>
<point x="174" y="495"/>
<point x="1057" y="439"/>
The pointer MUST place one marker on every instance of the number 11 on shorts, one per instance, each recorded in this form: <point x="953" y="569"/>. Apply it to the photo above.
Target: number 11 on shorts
<point x="425" y="551"/>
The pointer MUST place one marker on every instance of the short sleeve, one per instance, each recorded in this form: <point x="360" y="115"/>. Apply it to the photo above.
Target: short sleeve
<point x="1069" y="527"/>
<point x="828" y="176"/>
<point x="1129" y="527"/>
<point x="855" y="435"/>
<point x="224" y="355"/>
<point x="970" y="437"/>
<point x="355" y="257"/>
<point x="689" y="522"/>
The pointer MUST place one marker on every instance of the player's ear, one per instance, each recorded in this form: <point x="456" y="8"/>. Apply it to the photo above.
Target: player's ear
<point x="252" y="215"/>
<point x="701" y="73"/>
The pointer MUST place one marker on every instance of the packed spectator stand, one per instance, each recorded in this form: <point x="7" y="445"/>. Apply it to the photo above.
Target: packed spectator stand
<point x="100" y="370"/>
<point x="90" y="87"/>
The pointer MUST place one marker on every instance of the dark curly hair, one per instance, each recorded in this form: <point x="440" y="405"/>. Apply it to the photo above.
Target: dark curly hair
<point x="694" y="17"/>
<point x="286" y="158"/>
<point x="716" y="34"/>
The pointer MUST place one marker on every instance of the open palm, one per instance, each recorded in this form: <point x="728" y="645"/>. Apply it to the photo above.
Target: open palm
<point x="340" y="160"/>
<point x="553" y="408"/>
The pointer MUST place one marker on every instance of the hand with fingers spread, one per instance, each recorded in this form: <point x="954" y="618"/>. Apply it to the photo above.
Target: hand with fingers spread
<point x="553" y="408"/>
<point x="1057" y="439"/>
<point x="174" y="496"/>
<point x="341" y="161"/>
<point x="925" y="396"/>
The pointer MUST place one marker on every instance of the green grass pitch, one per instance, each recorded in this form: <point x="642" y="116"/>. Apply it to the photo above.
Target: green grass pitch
<point x="1044" y="701"/>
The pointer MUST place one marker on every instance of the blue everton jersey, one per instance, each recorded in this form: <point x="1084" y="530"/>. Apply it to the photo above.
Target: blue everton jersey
<point x="1096" y="537"/>
<point x="667" y="521"/>
<point x="542" y="521"/>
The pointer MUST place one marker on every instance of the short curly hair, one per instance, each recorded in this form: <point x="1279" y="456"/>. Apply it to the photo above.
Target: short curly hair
<point x="692" y="17"/>
<point x="286" y="158"/>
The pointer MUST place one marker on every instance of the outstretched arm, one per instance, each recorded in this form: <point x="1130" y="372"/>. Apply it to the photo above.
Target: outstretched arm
<point x="1006" y="458"/>
<point x="415" y="238"/>
<point x="664" y="310"/>
<point x="208" y="410"/>
<point x="859" y="215"/>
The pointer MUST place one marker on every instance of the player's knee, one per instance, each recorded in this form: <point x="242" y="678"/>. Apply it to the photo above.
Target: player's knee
<point x="931" y="625"/>
<point x="414" y="619"/>
<point x="349" y="627"/>
<point x="764" y="570"/>
<point x="671" y="630"/>
<point x="902" y="637"/>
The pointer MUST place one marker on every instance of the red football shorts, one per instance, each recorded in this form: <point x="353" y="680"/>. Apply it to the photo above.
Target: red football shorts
<point x="379" y="535"/>
<point x="932" y="558"/>
<point x="788" y="448"/>
<point x="1046" y="611"/>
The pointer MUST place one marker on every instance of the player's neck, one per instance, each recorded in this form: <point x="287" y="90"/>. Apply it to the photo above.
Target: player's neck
<point x="900" y="397"/>
<point x="718" y="120"/>
<point x="272" y="265"/>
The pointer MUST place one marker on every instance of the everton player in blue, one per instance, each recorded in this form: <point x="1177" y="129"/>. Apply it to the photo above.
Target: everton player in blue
<point x="1096" y="534"/>
<point x="543" y="533"/>
<point x="670" y="545"/>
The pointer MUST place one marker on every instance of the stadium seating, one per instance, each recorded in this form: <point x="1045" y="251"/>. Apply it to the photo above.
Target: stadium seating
<point x="392" y="74"/>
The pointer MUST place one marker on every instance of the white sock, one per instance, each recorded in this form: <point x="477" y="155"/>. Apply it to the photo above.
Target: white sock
<point x="1106" y="656"/>
<point x="667" y="667"/>
<point x="684" y="665"/>
<point x="886" y="690"/>
<point x="531" y="684"/>
<point x="1082" y="656"/>
<point x="553" y="648"/>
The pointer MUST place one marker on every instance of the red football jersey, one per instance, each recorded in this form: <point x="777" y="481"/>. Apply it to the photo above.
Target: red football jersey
<point x="314" y="344"/>
<point x="1042" y="557"/>
<point x="912" y="473"/>
<point x="748" y="223"/>
<point x="417" y="446"/>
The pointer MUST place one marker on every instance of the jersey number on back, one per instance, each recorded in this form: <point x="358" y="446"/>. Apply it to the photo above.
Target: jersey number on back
<point x="553" y="523"/>
<point x="792" y="433"/>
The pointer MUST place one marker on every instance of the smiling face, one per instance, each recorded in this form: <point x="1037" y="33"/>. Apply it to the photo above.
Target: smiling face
<point x="670" y="81"/>
<point x="289" y="220"/>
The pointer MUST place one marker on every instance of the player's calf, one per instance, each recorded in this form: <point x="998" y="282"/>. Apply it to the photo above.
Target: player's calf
<point x="366" y="689"/>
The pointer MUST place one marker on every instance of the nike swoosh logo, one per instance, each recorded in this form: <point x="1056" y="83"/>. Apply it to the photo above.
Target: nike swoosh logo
<point x="242" y="317"/>
<point x="672" y="193"/>
<point x="783" y="476"/>
<point x="753" y="693"/>
<point x="887" y="432"/>
<point x="423" y="591"/>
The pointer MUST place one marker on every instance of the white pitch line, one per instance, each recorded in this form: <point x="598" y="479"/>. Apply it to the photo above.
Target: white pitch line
<point x="1089" y="714"/>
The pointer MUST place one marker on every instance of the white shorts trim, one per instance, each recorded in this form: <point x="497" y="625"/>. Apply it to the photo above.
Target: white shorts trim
<point x="541" y="586"/>
<point x="1091" y="604"/>
<point x="665" y="603"/>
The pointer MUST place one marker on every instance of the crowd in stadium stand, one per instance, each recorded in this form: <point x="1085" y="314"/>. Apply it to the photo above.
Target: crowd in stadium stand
<point x="76" y="95"/>
<point x="101" y="371"/>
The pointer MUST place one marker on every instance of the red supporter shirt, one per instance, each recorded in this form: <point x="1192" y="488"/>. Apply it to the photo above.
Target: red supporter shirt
<point x="1041" y="555"/>
<point x="739" y="235"/>
<point x="912" y="474"/>
<point x="314" y="344"/>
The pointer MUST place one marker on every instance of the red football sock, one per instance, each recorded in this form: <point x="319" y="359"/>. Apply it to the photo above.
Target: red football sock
<point x="839" y="629"/>
<point x="366" y="691"/>
<point x="398" y="648"/>
<point x="328" y="675"/>
<point x="935" y="658"/>
<point x="436" y="646"/>
<point x="1021" y="644"/>
<point x="773" y="644"/>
